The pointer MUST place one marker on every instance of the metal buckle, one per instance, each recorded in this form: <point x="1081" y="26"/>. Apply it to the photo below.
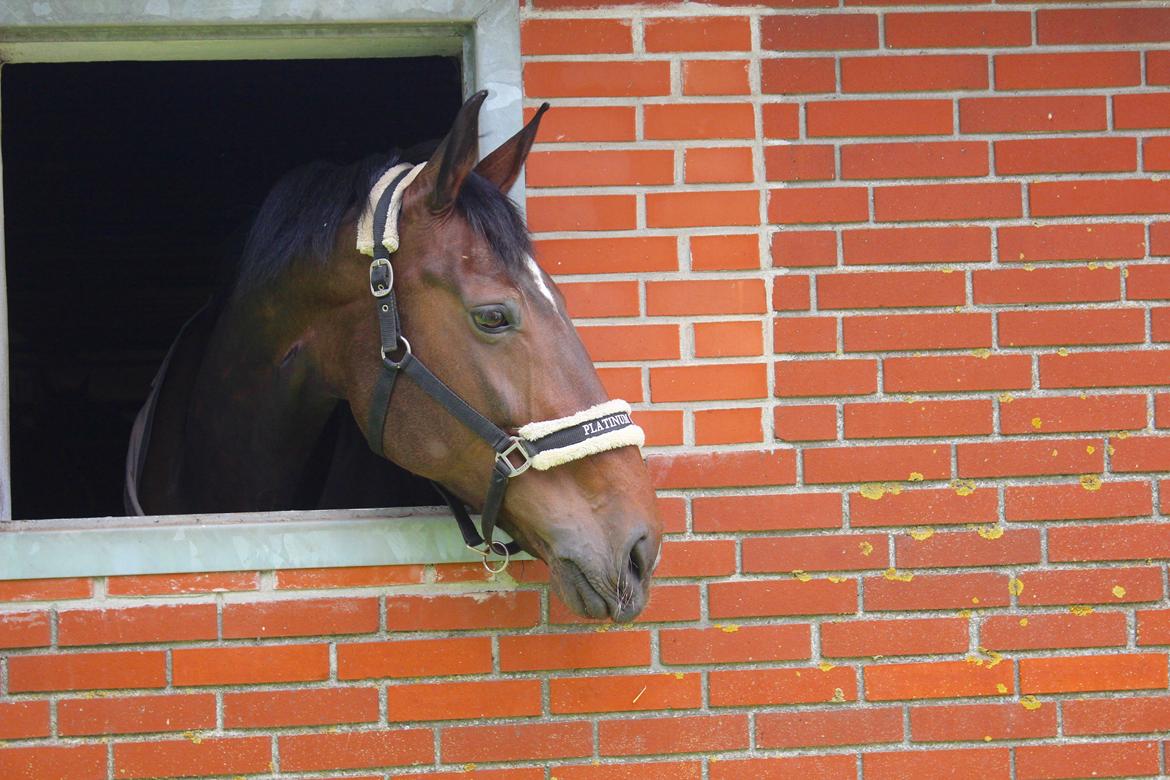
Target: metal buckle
<point x="499" y="548"/>
<point x="380" y="288"/>
<point x="516" y="446"/>
<point x="406" y="351"/>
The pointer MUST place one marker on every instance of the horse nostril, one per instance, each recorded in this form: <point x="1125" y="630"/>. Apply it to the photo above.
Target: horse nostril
<point x="640" y="558"/>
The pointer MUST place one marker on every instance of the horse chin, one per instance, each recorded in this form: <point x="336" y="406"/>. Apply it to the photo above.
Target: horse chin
<point x="590" y="595"/>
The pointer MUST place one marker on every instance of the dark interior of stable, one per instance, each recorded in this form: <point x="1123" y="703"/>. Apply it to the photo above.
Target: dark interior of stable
<point x="128" y="188"/>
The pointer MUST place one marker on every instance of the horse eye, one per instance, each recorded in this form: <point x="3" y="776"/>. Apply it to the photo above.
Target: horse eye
<point x="491" y="319"/>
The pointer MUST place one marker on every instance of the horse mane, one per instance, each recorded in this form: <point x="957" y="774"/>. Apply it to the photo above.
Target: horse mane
<point x="302" y="213"/>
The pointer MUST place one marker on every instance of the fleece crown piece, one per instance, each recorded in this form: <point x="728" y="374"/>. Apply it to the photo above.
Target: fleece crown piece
<point x="365" y="227"/>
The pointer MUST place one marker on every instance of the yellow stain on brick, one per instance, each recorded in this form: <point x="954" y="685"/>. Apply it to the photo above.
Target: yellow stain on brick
<point x="1123" y="434"/>
<point x="1029" y="702"/>
<point x="1089" y="448"/>
<point x="192" y="737"/>
<point x="1024" y="622"/>
<point x="1109" y="448"/>
<point x="728" y="629"/>
<point x="836" y="580"/>
<point x="1063" y="352"/>
<point x="915" y="476"/>
<point x="982" y="354"/>
<point x="1006" y="398"/>
<point x="865" y="547"/>
<point x="964" y="487"/>
<point x="1091" y="482"/>
<point x="1081" y="609"/>
<point x="1037" y="423"/>
<point x="825" y="666"/>
<point x="679" y="675"/>
<point x="974" y="599"/>
<point x="893" y="575"/>
<point x="1001" y="688"/>
<point x="921" y="534"/>
<point x="838" y="696"/>
<point x="1016" y="587"/>
<point x="872" y="490"/>
<point x="1118" y="591"/>
<point x="991" y="532"/>
<point x="801" y="575"/>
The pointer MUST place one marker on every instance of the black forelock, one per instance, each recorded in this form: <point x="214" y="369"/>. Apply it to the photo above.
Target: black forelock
<point x="300" y="217"/>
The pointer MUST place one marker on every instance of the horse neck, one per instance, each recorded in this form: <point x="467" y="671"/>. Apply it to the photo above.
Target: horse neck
<point x="253" y="420"/>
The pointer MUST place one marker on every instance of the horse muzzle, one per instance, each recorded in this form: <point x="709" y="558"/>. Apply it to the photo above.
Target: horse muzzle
<point x="615" y="586"/>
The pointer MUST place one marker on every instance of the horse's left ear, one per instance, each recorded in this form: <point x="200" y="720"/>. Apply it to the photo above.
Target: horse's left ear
<point x="455" y="156"/>
<point x="503" y="165"/>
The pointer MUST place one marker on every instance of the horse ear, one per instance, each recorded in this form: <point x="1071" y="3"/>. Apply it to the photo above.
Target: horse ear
<point x="455" y="156"/>
<point x="502" y="166"/>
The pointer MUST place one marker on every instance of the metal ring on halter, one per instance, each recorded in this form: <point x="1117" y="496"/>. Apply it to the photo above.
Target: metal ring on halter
<point x="499" y="548"/>
<point x="405" y="347"/>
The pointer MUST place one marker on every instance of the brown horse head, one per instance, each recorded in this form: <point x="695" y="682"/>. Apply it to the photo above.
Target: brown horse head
<point x="486" y="320"/>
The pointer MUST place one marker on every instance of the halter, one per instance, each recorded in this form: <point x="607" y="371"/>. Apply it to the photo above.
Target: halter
<point x="539" y="445"/>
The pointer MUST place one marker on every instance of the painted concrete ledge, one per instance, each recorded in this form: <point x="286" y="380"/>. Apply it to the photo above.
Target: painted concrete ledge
<point x="31" y="549"/>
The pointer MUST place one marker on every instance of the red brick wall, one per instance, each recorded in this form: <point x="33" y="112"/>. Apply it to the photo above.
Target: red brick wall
<point x="887" y="288"/>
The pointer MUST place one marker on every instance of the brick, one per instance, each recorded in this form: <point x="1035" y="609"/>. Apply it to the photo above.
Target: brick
<point x="1089" y="197"/>
<point x="708" y="33"/>
<point x="1027" y="458"/>
<point x="86" y="671"/>
<point x="798" y="75"/>
<point x="576" y="36"/>
<point x="1102" y="25"/>
<point x="601" y="299"/>
<point x="182" y="757"/>
<point x="814" y="553"/>
<point x="715" y="77"/>
<point x="897" y="420"/>
<point x="414" y="658"/>
<point x="1153" y="627"/>
<point x="914" y="160"/>
<point x="462" y="700"/>
<point x="878" y="118"/>
<point x="723" y="382"/>
<point x="1156" y="154"/>
<point x="1141" y="111"/>
<point x="936" y="680"/>
<point x="1065" y="155"/>
<point x="314" y="707"/>
<point x="683" y="121"/>
<point x="816" y="422"/>
<point x="781" y="120"/>
<point x="957" y="374"/>
<point x="24" y="629"/>
<point x="1065" y="414"/>
<point x="957" y="762"/>
<point x="803" y="248"/>
<point x="905" y="636"/>
<point x="1046" y="285"/>
<point x="806" y="205"/>
<point x="895" y="332"/>
<point x="1114" y="672"/>
<point x="964" y="29"/>
<point x="937" y="506"/>
<point x="658" y="770"/>
<point x="849" y="376"/>
<point x="766" y="598"/>
<point x="744" y="644"/>
<point x="581" y="212"/>
<point x="1105" y="369"/>
<point x="890" y="289"/>
<point x="135" y="715"/>
<point x="928" y="202"/>
<point x="748" y="687"/>
<point x="249" y="665"/>
<point x="682" y="734"/>
<point x="1067" y="70"/>
<point x="574" y="651"/>
<point x="968" y="548"/>
<point x="668" y="604"/>
<point x="728" y="339"/>
<point x="572" y="124"/>
<point x="720" y="253"/>
<point x="1074" y="502"/>
<point x="828" y="728"/>
<point x="695" y="558"/>
<point x="629" y="693"/>
<point x="728" y="426"/>
<point x="1142" y="453"/>
<point x="705" y="297"/>
<point x="1036" y="328"/>
<point x="596" y="79"/>
<point x="23" y="720"/>
<point x="1051" y="587"/>
<point x="622" y="383"/>
<point x="54" y="762"/>
<point x="1029" y="243"/>
<point x="729" y="514"/>
<point x="702" y="209"/>
<point x="723" y="469"/>
<point x="879" y="246"/>
<point x="1129" y="715"/>
<point x="980" y="722"/>
<point x="1157" y="67"/>
<point x="791" y="293"/>
<point x="1112" y="759"/>
<point x="46" y="589"/>
<point x="630" y="342"/>
<point x="1041" y="114"/>
<point x="1121" y="542"/>
<point x="876" y="463"/>
<point x="527" y="773"/>
<point x="600" y="167"/>
<point x="349" y="577"/>
<point x="313" y="617"/>
<point x="936" y="591"/>
<point x="803" y="162"/>
<point x="663" y="428"/>
<point x="830" y="767"/>
<point x="356" y="749"/>
<point x="1046" y="631"/>
<point x="914" y="73"/>
<point x="570" y="739"/>
<point x="819" y="32"/>
<point x="804" y="335"/>
<point x="720" y="165"/>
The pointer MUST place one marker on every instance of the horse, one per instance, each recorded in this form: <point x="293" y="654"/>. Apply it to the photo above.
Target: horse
<point x="441" y="360"/>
